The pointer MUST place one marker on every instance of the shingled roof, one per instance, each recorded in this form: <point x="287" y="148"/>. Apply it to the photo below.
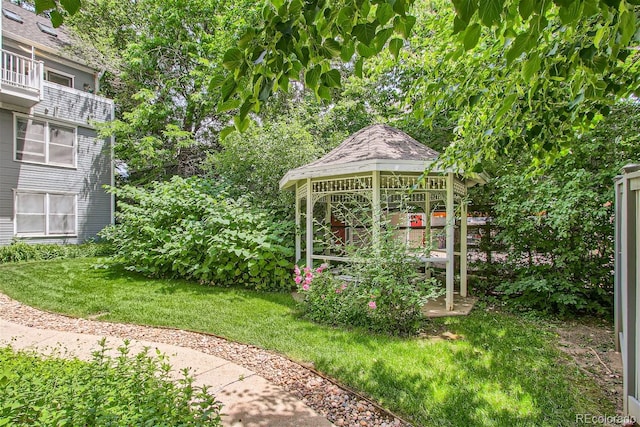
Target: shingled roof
<point x="377" y="147"/>
<point x="37" y="30"/>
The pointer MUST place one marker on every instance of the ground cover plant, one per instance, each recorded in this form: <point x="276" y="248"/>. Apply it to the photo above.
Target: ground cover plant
<point x="190" y="228"/>
<point x="106" y="391"/>
<point x="22" y="251"/>
<point x="503" y="370"/>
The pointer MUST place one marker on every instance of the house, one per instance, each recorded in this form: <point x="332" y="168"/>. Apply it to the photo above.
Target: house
<point x="53" y="166"/>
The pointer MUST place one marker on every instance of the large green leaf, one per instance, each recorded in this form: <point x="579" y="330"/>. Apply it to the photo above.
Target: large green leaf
<point x="365" y="33"/>
<point x="332" y="47"/>
<point x="228" y="88"/>
<point x="56" y="18"/>
<point x="531" y="66"/>
<point x="43" y="5"/>
<point x="394" y="46"/>
<point x="384" y="13"/>
<point x="571" y="13"/>
<point x="365" y="51"/>
<point x="347" y="51"/>
<point x="71" y="6"/>
<point x="465" y="9"/>
<point x="517" y="48"/>
<point x="472" y="35"/>
<point x="312" y="76"/>
<point x="489" y="11"/>
<point x="233" y="58"/>
<point x="331" y="79"/>
<point x="525" y="8"/>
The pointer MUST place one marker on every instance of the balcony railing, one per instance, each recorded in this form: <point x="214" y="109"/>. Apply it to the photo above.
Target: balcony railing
<point x="20" y="78"/>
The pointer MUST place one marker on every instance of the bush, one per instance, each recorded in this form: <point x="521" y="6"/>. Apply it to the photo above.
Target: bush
<point x="190" y="228"/>
<point x="557" y="226"/>
<point x="381" y="290"/>
<point x="22" y="251"/>
<point x="126" y="390"/>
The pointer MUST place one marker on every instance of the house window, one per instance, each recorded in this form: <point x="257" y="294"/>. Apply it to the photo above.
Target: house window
<point x="43" y="142"/>
<point x="59" y="78"/>
<point x="45" y="214"/>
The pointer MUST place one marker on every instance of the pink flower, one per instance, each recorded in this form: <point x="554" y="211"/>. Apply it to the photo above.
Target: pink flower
<point x="307" y="270"/>
<point x="343" y="286"/>
<point x="338" y="290"/>
<point x="308" y="274"/>
<point x="305" y="287"/>
<point x="322" y="268"/>
<point x="296" y="270"/>
<point x="372" y="305"/>
<point x="307" y="280"/>
<point x="298" y="279"/>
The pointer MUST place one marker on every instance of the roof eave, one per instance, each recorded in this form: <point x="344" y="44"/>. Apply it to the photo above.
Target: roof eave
<point x="382" y="165"/>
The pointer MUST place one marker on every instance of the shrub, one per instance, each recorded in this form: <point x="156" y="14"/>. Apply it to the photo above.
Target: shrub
<point x="125" y="390"/>
<point x="22" y="251"/>
<point x="190" y="228"/>
<point x="380" y="290"/>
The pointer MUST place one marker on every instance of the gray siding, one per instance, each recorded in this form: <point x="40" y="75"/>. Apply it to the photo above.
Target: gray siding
<point x="66" y="104"/>
<point x="93" y="171"/>
<point x="80" y="78"/>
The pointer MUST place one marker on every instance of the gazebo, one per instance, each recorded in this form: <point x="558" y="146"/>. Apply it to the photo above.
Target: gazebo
<point x="382" y="165"/>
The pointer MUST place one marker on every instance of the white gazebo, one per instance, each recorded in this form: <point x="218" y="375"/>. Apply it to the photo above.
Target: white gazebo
<point x="381" y="165"/>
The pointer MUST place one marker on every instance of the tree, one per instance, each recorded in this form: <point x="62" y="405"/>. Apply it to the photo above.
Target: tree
<point x="518" y="74"/>
<point x="164" y="53"/>
<point x="556" y="226"/>
<point x="573" y="55"/>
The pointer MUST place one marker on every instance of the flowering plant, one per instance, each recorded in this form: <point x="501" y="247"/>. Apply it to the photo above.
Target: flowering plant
<point x="382" y="291"/>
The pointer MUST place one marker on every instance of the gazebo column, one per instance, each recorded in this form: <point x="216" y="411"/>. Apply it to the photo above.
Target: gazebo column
<point x="298" y="226"/>
<point x="376" y="208"/>
<point x="450" y="223"/>
<point x="427" y="228"/>
<point x="309" y="224"/>
<point x="327" y="219"/>
<point x="463" y="248"/>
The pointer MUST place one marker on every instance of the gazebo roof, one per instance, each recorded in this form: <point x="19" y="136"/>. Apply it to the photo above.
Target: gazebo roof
<point x="377" y="147"/>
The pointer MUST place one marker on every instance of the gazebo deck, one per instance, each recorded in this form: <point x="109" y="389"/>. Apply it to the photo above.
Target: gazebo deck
<point x="461" y="306"/>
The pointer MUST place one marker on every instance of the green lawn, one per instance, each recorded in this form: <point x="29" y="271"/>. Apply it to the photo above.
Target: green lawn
<point x="505" y="371"/>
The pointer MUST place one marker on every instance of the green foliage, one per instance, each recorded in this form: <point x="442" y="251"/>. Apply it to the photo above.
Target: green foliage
<point x="22" y="251"/>
<point x="380" y="290"/>
<point x="253" y="162"/>
<point x="514" y="74"/>
<point x="557" y="225"/>
<point x="190" y="228"/>
<point x="107" y="391"/>
<point x="160" y="56"/>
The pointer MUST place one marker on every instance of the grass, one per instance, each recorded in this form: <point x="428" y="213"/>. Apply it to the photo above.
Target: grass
<point x="505" y="371"/>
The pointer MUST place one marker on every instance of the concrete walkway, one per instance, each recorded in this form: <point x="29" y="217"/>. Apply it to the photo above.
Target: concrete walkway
<point x="248" y="399"/>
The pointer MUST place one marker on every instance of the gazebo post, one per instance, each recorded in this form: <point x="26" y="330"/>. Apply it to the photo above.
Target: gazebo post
<point x="309" y="225"/>
<point x="327" y="220"/>
<point x="298" y="226"/>
<point x="427" y="227"/>
<point x="463" y="248"/>
<point x="376" y="208"/>
<point x="450" y="223"/>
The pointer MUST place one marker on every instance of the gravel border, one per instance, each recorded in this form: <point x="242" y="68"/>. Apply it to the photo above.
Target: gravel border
<point x="339" y="405"/>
